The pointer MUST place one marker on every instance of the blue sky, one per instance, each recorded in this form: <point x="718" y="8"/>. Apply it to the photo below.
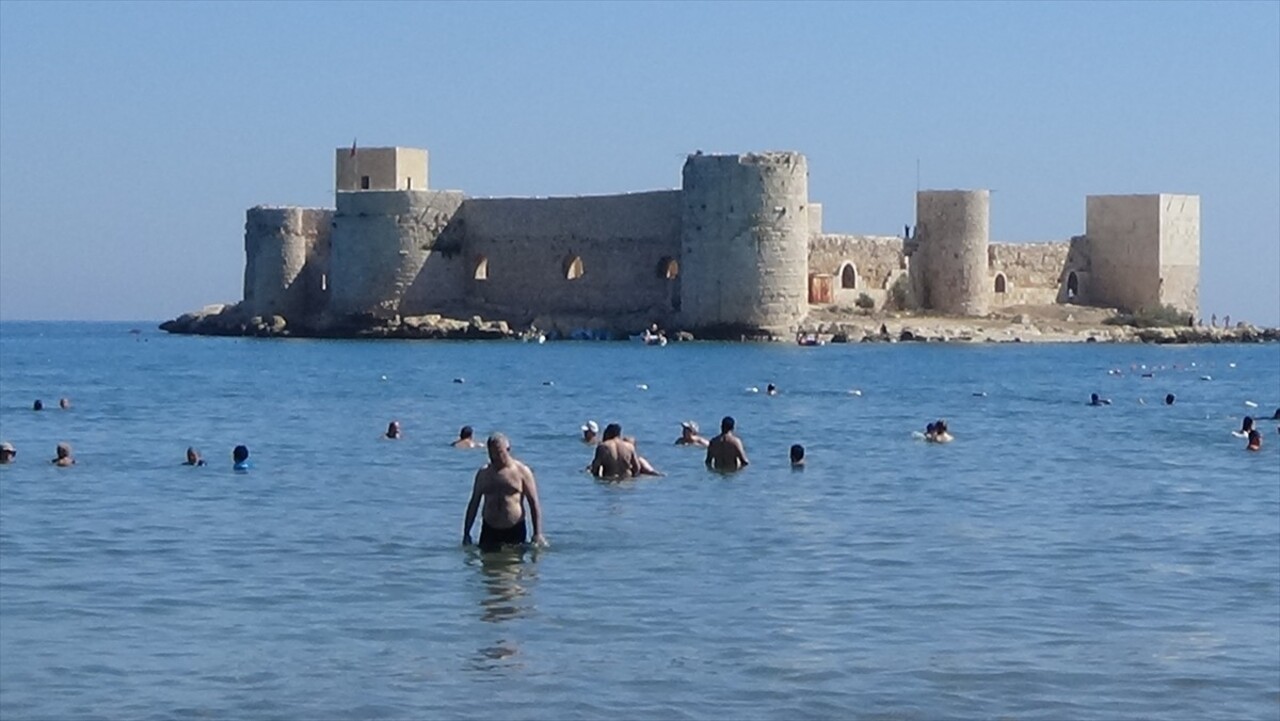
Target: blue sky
<point x="134" y="136"/>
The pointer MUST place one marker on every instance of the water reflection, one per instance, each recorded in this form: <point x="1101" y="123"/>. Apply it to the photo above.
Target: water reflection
<point x="507" y="579"/>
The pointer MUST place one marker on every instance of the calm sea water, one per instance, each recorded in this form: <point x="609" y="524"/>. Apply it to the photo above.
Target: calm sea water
<point x="1056" y="562"/>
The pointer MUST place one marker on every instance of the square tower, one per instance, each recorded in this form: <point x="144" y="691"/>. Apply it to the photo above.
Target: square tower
<point x="381" y="169"/>
<point x="1144" y="251"/>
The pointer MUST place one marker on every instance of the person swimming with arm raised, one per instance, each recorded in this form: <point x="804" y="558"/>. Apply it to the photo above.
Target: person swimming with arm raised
<point x="503" y="487"/>
<point x="725" y="452"/>
<point x="615" y="458"/>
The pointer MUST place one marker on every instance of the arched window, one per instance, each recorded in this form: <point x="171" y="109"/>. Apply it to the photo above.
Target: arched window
<point x="482" y="268"/>
<point x="849" y="276"/>
<point x="668" y="268"/>
<point x="1073" y="285"/>
<point x="573" y="268"/>
<point x="1001" y="283"/>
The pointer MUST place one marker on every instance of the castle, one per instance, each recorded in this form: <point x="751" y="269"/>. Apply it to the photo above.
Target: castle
<point x="738" y="245"/>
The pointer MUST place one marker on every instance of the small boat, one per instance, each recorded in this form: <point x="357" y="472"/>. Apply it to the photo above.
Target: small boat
<point x="648" y="338"/>
<point x="810" y="340"/>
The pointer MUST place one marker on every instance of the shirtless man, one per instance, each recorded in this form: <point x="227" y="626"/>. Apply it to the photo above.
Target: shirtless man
<point x="505" y="485"/>
<point x="646" y="468"/>
<point x="689" y="435"/>
<point x="615" y="458"/>
<point x="725" y="452"/>
<point x="466" y="438"/>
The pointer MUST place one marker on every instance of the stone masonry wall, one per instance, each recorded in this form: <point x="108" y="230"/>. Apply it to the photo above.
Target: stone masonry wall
<point x="953" y="228"/>
<point x="286" y="260"/>
<point x="1033" y="272"/>
<point x="877" y="261"/>
<point x="624" y="247"/>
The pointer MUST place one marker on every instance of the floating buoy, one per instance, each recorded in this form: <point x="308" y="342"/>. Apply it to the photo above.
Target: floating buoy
<point x="642" y="386"/>
<point x="855" y="392"/>
<point x="1231" y="365"/>
<point x="752" y="389"/>
<point x="384" y="378"/>
<point x="1251" y="404"/>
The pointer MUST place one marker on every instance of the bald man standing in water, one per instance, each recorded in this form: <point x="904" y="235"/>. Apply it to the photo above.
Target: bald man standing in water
<point x="505" y="485"/>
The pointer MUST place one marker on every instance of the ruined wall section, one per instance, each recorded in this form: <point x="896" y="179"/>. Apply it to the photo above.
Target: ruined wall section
<point x="286" y="261"/>
<point x="953" y="228"/>
<point x="745" y="240"/>
<point x="1033" y="272"/>
<point x="380" y="244"/>
<point x="607" y="256"/>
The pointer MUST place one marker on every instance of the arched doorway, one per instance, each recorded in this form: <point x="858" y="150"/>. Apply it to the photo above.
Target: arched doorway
<point x="668" y="268"/>
<point x="1001" y="283"/>
<point x="849" y="276"/>
<point x="1073" y="285"/>
<point x="482" y="269"/>
<point x="573" y="268"/>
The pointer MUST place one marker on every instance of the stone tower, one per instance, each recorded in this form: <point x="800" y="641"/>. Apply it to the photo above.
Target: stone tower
<point x="1144" y="251"/>
<point x="744" y="245"/>
<point x="286" y="261"/>
<point x="952" y="231"/>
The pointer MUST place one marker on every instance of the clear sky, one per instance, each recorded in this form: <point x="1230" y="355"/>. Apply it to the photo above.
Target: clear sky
<point x="134" y="136"/>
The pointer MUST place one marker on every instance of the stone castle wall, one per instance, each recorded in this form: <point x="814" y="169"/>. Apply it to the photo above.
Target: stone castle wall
<point x="1033" y="273"/>
<point x="745" y="240"/>
<point x="952" y="230"/>
<point x="286" y="260"/>
<point x="876" y="263"/>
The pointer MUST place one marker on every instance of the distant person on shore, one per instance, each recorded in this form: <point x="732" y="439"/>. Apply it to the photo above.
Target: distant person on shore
<point x="64" y="403"/>
<point x="689" y="435"/>
<point x="1245" y="427"/>
<point x="940" y="433"/>
<point x="7" y="452"/>
<point x="614" y="458"/>
<point x="38" y="405"/>
<point x="1255" y="441"/>
<point x="797" y="456"/>
<point x="590" y="433"/>
<point x="63" y="458"/>
<point x="646" y="468"/>
<point x="504" y="486"/>
<point x="466" y="438"/>
<point x="393" y="430"/>
<point x="1094" y="400"/>
<point x="725" y="451"/>
<point x="771" y="389"/>
<point x="193" y="457"/>
<point x="240" y="458"/>
<point x="1169" y="399"/>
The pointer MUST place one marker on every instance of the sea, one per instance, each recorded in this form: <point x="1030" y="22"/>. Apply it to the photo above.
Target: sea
<point x="1056" y="561"/>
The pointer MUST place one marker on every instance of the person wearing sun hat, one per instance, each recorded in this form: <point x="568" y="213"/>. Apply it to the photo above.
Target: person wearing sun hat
<point x="7" y="452"/>
<point x="590" y="433"/>
<point x="689" y="435"/>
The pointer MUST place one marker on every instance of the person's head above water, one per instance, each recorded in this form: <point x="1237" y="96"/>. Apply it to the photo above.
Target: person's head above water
<point x="38" y="405"/>
<point x="393" y="429"/>
<point x="940" y="426"/>
<point x="930" y="429"/>
<point x="797" y="454"/>
<point x="499" y="449"/>
<point x="727" y="424"/>
<point x="688" y="429"/>
<point x="1093" y="398"/>
<point x="611" y="431"/>
<point x="1247" y="424"/>
<point x="466" y="433"/>
<point x="240" y="454"/>
<point x="7" y="452"/>
<point x="1169" y="399"/>
<point x="193" y="457"/>
<point x="589" y="430"/>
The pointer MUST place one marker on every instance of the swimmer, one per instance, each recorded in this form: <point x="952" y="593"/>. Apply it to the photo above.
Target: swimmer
<point x="393" y="430"/>
<point x="193" y="457"/>
<point x="1246" y="426"/>
<point x="7" y="452"/>
<point x="1169" y="399"/>
<point x="64" y="403"/>
<point x="240" y="457"/>
<point x="64" y="458"/>
<point x="646" y="468"/>
<point x="1094" y="400"/>
<point x="1276" y="417"/>
<point x="689" y="435"/>
<point x="466" y="438"/>
<point x="590" y="431"/>
<point x="38" y="405"/>
<point x="771" y="389"/>
<point x="1255" y="441"/>
<point x="797" y="457"/>
<point x="940" y="433"/>
<point x="725" y="451"/>
<point x="504" y="486"/>
<point x="614" y="458"/>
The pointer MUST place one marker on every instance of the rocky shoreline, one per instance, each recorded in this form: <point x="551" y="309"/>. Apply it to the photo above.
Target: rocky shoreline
<point x="227" y="320"/>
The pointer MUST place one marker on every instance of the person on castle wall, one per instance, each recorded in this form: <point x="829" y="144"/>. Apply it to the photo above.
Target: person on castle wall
<point x="646" y="468"/>
<point x="1255" y="441"/>
<point x="503" y="487"/>
<point x="1213" y="321"/>
<point x="193" y="457"/>
<point x="466" y="438"/>
<point x="614" y="458"/>
<point x="725" y="452"/>
<point x="590" y="433"/>
<point x="797" y="457"/>
<point x="63" y="456"/>
<point x="393" y="430"/>
<point x="689" y="435"/>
